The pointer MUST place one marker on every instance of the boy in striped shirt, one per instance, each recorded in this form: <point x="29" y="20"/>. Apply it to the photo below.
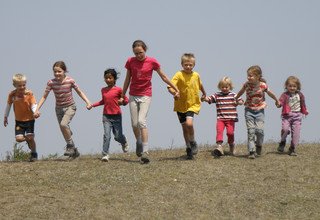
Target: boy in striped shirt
<point x="226" y="114"/>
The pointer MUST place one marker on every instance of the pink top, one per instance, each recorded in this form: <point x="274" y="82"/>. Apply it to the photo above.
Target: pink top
<point x="141" y="75"/>
<point x="255" y="95"/>
<point x="110" y="97"/>
<point x="62" y="91"/>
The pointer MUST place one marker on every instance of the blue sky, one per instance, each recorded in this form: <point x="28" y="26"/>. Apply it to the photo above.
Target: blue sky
<point x="226" y="36"/>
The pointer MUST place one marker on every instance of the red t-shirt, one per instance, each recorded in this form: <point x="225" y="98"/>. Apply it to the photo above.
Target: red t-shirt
<point x="110" y="97"/>
<point x="141" y="75"/>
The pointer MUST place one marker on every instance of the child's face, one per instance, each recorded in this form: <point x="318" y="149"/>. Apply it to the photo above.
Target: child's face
<point x="188" y="66"/>
<point x="252" y="78"/>
<point x="225" y="88"/>
<point x="109" y="79"/>
<point x="139" y="53"/>
<point x="292" y="87"/>
<point x="59" y="73"/>
<point x="20" y="86"/>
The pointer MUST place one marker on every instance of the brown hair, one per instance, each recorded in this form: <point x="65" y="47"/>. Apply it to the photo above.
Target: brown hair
<point x="294" y="80"/>
<point x="256" y="70"/>
<point x="139" y="43"/>
<point x="61" y="65"/>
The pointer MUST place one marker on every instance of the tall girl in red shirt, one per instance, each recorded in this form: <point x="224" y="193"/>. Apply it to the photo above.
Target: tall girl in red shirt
<point x="139" y="75"/>
<point x="112" y="115"/>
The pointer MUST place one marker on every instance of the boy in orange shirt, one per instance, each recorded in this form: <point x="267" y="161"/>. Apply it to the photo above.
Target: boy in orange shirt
<point x="24" y="106"/>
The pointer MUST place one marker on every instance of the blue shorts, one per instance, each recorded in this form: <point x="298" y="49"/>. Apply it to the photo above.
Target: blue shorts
<point x="183" y="116"/>
<point x="24" y="128"/>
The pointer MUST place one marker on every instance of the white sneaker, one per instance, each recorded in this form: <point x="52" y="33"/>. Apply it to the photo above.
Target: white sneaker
<point x="125" y="147"/>
<point x="105" y="158"/>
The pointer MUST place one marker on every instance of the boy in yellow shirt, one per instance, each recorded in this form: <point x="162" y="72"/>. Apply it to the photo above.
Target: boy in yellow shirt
<point x="24" y="105"/>
<point x="188" y="103"/>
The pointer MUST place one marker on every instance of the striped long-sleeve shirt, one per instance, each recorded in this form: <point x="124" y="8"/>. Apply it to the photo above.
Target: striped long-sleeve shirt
<point x="226" y="105"/>
<point x="62" y="91"/>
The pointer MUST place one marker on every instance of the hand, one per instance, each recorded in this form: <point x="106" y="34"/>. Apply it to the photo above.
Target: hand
<point x="120" y="101"/>
<point x="36" y="114"/>
<point x="240" y="102"/>
<point x="5" y="121"/>
<point x="278" y="104"/>
<point x="89" y="107"/>
<point x="204" y="99"/>
<point x="176" y="95"/>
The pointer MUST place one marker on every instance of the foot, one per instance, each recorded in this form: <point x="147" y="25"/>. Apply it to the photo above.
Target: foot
<point x="144" y="159"/>
<point x="189" y="154"/>
<point x="281" y="146"/>
<point x="292" y="152"/>
<point x="232" y="149"/>
<point x="139" y="149"/>
<point x="218" y="152"/>
<point x="194" y="147"/>
<point x="105" y="158"/>
<point x="125" y="147"/>
<point x="33" y="157"/>
<point x="252" y="155"/>
<point x="259" y="150"/>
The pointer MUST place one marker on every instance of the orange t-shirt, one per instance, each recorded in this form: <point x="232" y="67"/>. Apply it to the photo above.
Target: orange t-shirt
<point x="22" y="105"/>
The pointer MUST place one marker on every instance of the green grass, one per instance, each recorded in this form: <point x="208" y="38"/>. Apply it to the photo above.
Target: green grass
<point x="274" y="186"/>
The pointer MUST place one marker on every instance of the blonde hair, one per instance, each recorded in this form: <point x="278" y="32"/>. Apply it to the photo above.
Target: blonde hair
<point x="293" y="79"/>
<point x="188" y="57"/>
<point x="225" y="81"/>
<point x="256" y="70"/>
<point x="18" y="78"/>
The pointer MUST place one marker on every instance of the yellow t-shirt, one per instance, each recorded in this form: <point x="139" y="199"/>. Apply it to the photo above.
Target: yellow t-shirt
<point x="189" y="86"/>
<point x="22" y="105"/>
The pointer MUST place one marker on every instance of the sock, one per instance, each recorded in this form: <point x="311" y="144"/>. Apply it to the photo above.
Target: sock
<point x="70" y="142"/>
<point x="145" y="147"/>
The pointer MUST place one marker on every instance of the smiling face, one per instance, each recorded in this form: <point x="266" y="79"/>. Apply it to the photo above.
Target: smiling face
<point x="109" y="79"/>
<point x="59" y="74"/>
<point x="253" y="78"/>
<point x="139" y="52"/>
<point x="292" y="87"/>
<point x="20" y="86"/>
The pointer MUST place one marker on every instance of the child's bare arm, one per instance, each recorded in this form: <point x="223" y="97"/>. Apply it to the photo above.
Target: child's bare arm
<point x="204" y="94"/>
<point x="84" y="97"/>
<point x="273" y="96"/>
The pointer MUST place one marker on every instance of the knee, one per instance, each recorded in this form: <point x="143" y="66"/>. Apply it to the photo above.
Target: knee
<point x="260" y="132"/>
<point x="20" y="138"/>
<point x="142" y="124"/>
<point x="251" y="133"/>
<point x="64" y="126"/>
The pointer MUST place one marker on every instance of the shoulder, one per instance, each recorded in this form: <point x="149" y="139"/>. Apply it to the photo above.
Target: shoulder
<point x="263" y="85"/>
<point x="29" y="92"/>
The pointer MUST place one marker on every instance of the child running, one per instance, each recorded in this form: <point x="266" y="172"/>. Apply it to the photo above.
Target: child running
<point x="189" y="84"/>
<point x="24" y="106"/>
<point x="62" y="86"/>
<point x="255" y="104"/>
<point x="139" y="75"/>
<point x="227" y="115"/>
<point x="293" y="108"/>
<point x="112" y="118"/>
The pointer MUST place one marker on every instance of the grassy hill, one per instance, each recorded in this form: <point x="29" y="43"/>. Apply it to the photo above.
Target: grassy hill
<point x="274" y="186"/>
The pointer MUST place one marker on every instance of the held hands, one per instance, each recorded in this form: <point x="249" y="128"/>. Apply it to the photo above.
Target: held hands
<point x="239" y="102"/>
<point x="89" y="106"/>
<point x="277" y="103"/>
<point x="120" y="101"/>
<point x="176" y="95"/>
<point x="204" y="98"/>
